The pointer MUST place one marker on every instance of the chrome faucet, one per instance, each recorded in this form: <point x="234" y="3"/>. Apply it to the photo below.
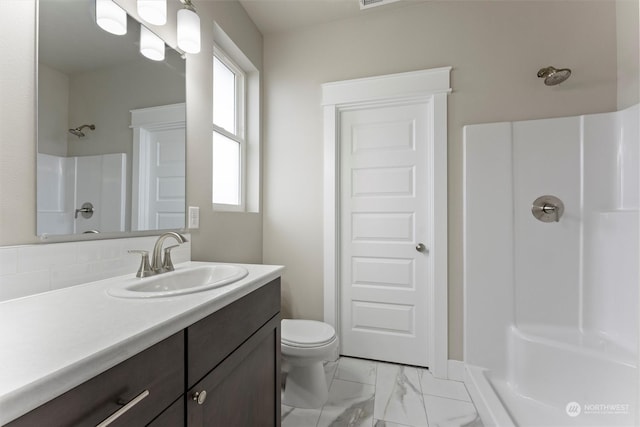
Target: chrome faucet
<point x="160" y="264"/>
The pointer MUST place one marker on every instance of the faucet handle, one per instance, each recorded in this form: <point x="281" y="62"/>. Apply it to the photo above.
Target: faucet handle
<point x="167" y="264"/>
<point x="145" y="268"/>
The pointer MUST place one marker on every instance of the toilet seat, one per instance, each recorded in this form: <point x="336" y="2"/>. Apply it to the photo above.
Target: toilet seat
<point x="306" y="333"/>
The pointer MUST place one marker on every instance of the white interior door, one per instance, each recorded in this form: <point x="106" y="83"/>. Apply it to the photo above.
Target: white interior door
<point x="166" y="177"/>
<point x="385" y="232"/>
<point x="158" y="190"/>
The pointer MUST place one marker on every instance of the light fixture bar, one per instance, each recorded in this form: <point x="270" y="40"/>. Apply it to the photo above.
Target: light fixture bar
<point x="111" y="17"/>
<point x="366" y="4"/>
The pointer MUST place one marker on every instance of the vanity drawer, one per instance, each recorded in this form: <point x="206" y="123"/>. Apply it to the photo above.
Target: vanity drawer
<point x="213" y="338"/>
<point x="158" y="370"/>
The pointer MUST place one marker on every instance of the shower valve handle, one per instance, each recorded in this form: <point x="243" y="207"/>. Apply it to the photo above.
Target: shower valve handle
<point x="86" y="210"/>
<point x="547" y="209"/>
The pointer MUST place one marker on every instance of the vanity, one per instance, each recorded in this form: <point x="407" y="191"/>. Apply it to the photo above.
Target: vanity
<point x="85" y="357"/>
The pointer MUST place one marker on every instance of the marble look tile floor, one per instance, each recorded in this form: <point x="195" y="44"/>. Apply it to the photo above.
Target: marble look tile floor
<point x="375" y="394"/>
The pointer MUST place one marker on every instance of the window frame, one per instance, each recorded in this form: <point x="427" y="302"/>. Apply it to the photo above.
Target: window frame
<point x="240" y="132"/>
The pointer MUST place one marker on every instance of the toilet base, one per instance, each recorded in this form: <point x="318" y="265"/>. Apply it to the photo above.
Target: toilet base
<point x="306" y="387"/>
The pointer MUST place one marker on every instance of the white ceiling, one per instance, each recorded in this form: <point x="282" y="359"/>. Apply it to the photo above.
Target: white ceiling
<point x="274" y="16"/>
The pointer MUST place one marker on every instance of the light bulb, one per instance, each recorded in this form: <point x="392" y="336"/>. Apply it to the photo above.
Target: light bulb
<point x="111" y="17"/>
<point x="153" y="11"/>
<point x="151" y="46"/>
<point x="188" y="31"/>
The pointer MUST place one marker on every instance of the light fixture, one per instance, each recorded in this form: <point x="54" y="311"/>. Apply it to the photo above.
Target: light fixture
<point x="153" y="11"/>
<point x="188" y="28"/>
<point x="151" y="46"/>
<point x="111" y="17"/>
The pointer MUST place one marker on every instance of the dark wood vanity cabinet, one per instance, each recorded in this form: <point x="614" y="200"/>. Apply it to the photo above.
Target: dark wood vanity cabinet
<point x="234" y="357"/>
<point x="223" y="370"/>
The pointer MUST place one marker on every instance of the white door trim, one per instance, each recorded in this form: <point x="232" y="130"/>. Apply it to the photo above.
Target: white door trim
<point x="431" y="85"/>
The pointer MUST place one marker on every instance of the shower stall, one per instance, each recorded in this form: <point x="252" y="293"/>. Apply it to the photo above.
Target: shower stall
<point x="551" y="255"/>
<point x="81" y="194"/>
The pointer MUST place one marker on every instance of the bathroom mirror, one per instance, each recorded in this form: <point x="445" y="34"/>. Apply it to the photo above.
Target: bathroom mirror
<point x="111" y="128"/>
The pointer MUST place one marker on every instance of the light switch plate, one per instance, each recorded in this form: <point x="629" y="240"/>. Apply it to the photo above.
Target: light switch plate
<point x="194" y="217"/>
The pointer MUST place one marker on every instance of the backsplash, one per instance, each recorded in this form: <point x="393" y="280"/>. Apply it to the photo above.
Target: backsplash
<point x="32" y="269"/>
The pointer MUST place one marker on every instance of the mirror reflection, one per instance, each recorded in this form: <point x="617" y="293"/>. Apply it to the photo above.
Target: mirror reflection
<point x="111" y="127"/>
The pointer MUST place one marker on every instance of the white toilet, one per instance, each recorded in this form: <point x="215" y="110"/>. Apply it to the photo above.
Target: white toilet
<point x="305" y="345"/>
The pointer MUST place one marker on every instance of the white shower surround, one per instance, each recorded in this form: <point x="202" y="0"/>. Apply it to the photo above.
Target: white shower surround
<point x="65" y="183"/>
<point x="551" y="309"/>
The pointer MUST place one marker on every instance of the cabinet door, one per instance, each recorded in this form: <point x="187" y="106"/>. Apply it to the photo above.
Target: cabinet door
<point x="213" y="338"/>
<point x="244" y="390"/>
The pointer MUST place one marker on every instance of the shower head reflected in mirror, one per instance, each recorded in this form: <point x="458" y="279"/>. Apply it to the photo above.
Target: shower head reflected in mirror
<point x="78" y="131"/>
<point x="553" y="76"/>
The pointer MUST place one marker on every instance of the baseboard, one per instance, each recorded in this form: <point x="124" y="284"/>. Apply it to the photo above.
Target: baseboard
<point x="456" y="370"/>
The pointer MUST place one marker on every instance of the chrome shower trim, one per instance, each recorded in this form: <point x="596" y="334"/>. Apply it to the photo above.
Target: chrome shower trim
<point x="78" y="131"/>
<point x="553" y="76"/>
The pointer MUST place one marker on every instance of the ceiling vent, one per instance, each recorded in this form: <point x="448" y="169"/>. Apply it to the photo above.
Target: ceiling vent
<point x="366" y="4"/>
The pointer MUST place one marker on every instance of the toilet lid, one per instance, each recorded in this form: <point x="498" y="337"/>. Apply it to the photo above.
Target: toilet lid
<point x="306" y="333"/>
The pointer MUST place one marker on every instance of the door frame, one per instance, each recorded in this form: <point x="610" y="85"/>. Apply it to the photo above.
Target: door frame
<point x="427" y="85"/>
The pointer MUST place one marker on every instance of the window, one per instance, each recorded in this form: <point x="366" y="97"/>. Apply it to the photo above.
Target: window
<point x="229" y="139"/>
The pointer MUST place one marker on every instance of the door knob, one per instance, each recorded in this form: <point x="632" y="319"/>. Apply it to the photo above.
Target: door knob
<point x="421" y="248"/>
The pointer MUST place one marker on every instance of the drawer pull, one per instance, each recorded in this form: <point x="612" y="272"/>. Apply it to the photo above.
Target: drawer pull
<point x="124" y="409"/>
<point x="200" y="396"/>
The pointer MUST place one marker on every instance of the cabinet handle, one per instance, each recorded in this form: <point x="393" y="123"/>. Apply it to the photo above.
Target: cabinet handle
<point x="200" y="396"/>
<point x="124" y="409"/>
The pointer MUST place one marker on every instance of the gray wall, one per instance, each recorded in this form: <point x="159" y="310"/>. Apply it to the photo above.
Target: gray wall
<point x="53" y="87"/>
<point x="495" y="48"/>
<point x="627" y="18"/>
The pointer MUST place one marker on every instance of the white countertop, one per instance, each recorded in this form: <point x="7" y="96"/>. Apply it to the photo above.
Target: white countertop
<point x="52" y="342"/>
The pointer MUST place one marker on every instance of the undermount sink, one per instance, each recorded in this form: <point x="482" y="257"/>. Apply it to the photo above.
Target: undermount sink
<point x="184" y="280"/>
